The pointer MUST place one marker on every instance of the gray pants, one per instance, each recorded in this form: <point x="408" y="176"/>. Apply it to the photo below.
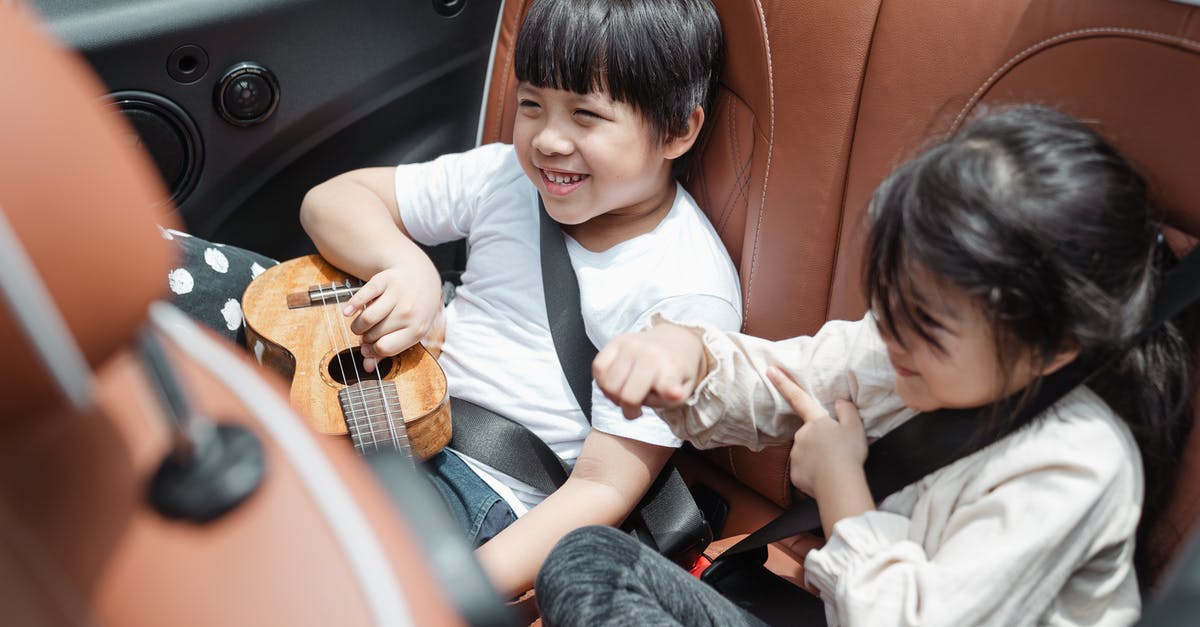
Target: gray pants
<point x="601" y="576"/>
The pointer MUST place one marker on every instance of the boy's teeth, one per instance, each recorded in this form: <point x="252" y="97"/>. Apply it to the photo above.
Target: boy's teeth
<point x="563" y="179"/>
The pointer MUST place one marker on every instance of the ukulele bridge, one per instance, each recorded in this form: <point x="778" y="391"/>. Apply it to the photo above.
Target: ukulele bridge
<point x="319" y="295"/>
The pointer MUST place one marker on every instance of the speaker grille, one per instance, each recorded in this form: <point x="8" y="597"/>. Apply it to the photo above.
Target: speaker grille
<point x="168" y="135"/>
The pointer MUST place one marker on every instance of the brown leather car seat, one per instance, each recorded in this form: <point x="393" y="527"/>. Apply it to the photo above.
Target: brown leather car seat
<point x="819" y="99"/>
<point x="83" y="427"/>
<point x="1131" y="68"/>
<point x="769" y="174"/>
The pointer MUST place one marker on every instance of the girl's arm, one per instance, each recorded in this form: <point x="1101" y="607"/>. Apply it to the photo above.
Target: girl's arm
<point x="1043" y="521"/>
<point x="610" y="477"/>
<point x="718" y="393"/>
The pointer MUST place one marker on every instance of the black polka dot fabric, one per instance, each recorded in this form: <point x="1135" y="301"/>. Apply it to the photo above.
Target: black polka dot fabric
<point x="208" y="281"/>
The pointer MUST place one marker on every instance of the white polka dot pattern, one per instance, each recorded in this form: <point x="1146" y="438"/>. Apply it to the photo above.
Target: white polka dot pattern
<point x="232" y="312"/>
<point x="181" y="281"/>
<point x="216" y="260"/>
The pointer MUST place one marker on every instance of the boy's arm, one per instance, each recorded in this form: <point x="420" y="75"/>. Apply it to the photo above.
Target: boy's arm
<point x="355" y="223"/>
<point x="610" y="477"/>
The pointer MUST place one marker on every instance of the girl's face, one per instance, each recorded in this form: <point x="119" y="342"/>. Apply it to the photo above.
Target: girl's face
<point x="591" y="156"/>
<point x="965" y="372"/>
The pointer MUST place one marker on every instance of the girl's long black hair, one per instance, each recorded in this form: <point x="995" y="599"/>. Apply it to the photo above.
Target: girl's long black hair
<point x="1045" y="225"/>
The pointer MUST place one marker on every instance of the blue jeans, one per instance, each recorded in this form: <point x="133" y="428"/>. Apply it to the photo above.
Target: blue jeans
<point x="476" y="506"/>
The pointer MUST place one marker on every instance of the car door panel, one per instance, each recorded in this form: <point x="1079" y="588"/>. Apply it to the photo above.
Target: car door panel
<point x="360" y="83"/>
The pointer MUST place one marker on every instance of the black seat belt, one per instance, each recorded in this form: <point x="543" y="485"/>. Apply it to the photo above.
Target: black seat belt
<point x="667" y="518"/>
<point x="920" y="446"/>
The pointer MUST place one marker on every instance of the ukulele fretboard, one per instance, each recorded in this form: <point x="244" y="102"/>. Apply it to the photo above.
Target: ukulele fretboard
<point x="374" y="418"/>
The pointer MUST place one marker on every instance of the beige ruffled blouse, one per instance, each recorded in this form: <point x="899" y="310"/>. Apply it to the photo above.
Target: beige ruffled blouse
<point x="1037" y="528"/>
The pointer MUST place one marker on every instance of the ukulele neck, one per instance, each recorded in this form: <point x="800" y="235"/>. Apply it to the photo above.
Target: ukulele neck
<point x="374" y="417"/>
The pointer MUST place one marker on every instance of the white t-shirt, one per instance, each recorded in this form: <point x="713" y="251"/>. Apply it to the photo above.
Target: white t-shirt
<point x="498" y="351"/>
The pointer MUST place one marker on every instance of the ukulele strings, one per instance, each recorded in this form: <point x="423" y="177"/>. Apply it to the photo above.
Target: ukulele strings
<point x="387" y="407"/>
<point x="338" y="348"/>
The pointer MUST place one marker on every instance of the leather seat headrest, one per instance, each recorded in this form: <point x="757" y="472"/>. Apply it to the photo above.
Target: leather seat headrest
<point x="83" y="201"/>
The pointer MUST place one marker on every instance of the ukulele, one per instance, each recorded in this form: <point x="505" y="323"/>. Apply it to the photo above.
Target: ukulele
<point x="294" y="325"/>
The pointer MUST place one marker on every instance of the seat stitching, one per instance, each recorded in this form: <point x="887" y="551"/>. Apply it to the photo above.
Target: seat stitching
<point x="1049" y="42"/>
<point x="853" y="130"/>
<point x="766" y="173"/>
<point x="501" y="94"/>
<point x="741" y="180"/>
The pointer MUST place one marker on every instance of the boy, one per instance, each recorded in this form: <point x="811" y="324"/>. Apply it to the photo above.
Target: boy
<point x="610" y="95"/>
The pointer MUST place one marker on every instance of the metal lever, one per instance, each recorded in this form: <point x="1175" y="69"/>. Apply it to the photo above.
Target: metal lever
<point x="211" y="468"/>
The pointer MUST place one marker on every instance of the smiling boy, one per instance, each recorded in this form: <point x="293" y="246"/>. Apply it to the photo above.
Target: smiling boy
<point x="611" y="95"/>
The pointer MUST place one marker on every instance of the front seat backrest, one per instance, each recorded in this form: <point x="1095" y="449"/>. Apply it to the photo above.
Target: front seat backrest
<point x="317" y="543"/>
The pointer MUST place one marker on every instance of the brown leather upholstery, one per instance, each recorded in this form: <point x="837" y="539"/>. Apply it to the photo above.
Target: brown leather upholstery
<point x="1131" y="67"/>
<point x="79" y="543"/>
<point x="821" y="98"/>
<point x="67" y="209"/>
<point x="770" y="167"/>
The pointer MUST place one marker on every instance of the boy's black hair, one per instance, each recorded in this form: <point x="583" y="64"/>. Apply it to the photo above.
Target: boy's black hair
<point x="1048" y="228"/>
<point x="663" y="57"/>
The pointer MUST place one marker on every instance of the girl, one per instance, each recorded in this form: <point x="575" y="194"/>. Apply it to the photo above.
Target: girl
<point x="1003" y="253"/>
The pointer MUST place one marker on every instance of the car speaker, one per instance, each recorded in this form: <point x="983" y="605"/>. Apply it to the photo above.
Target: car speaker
<point x="247" y="94"/>
<point x="168" y="134"/>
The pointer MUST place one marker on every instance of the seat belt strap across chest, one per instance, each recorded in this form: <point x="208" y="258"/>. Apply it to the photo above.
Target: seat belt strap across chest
<point x="563" y="312"/>
<point x="667" y="518"/>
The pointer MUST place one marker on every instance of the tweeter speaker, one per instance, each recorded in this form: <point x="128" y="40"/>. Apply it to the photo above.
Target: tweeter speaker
<point x="168" y="134"/>
<point x="247" y="94"/>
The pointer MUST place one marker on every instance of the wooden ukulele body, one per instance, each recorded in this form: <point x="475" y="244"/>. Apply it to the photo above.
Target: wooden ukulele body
<point x="304" y="344"/>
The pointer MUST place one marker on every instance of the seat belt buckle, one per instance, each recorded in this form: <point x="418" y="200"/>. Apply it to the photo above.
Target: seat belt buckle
<point x="700" y="565"/>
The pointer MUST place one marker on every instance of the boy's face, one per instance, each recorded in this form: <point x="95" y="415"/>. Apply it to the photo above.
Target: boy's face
<point x="590" y="156"/>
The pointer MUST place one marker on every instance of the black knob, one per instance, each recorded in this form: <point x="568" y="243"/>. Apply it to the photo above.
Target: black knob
<point x="247" y="94"/>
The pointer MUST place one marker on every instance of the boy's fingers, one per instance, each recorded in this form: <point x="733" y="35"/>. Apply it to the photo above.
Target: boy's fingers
<point x="394" y="343"/>
<point x="806" y="407"/>
<point x="365" y="294"/>
<point x="368" y="323"/>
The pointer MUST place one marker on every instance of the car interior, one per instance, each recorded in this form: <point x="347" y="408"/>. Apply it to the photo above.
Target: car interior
<point x="228" y="114"/>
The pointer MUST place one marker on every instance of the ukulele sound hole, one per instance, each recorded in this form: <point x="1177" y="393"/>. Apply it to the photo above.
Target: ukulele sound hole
<point x="347" y="367"/>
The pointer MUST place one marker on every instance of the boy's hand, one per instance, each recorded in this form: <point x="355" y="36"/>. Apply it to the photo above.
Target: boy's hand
<point x="395" y="309"/>
<point x="659" y="367"/>
<point x="826" y="452"/>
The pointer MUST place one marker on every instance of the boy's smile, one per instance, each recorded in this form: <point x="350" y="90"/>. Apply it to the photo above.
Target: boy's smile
<point x="597" y="163"/>
<point x="559" y="183"/>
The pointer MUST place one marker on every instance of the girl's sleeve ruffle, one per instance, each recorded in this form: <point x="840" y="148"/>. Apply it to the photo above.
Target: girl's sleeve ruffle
<point x="855" y="540"/>
<point x="704" y="417"/>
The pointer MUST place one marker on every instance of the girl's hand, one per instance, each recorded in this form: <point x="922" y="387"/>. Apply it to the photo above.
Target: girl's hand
<point x="826" y="452"/>
<point x="395" y="309"/>
<point x="658" y="367"/>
